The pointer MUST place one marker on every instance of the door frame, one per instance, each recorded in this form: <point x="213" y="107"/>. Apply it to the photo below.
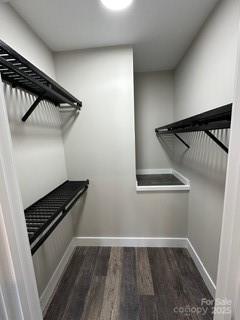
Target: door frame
<point x="228" y="279"/>
<point x="19" y="256"/>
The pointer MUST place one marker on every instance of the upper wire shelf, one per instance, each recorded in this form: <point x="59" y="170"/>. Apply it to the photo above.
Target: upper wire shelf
<point x="219" y="118"/>
<point x="19" y="72"/>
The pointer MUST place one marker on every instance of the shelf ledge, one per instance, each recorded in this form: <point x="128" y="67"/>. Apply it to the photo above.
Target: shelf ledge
<point x="215" y="119"/>
<point x="44" y="216"/>
<point x="185" y="186"/>
<point x="21" y="73"/>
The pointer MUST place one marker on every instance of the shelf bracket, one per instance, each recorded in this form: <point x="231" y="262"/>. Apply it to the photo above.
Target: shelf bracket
<point x="32" y="108"/>
<point x="180" y="139"/>
<point x="216" y="140"/>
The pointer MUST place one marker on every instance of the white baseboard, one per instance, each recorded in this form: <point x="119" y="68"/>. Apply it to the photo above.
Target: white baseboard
<point x="162" y="188"/>
<point x="201" y="268"/>
<point x="123" y="242"/>
<point x="130" y="242"/>
<point x="53" y="282"/>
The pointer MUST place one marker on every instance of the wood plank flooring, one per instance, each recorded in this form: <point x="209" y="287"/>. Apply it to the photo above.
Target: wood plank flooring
<point x="130" y="284"/>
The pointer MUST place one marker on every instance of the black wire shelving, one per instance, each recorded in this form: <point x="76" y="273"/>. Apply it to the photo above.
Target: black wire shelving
<point x="19" y="72"/>
<point x="44" y="216"/>
<point x="219" y="118"/>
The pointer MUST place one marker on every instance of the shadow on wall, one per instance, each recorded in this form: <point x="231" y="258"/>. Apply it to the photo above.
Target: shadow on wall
<point x="204" y="156"/>
<point x="46" y="115"/>
<point x="68" y="118"/>
<point x="47" y="257"/>
<point x="77" y="212"/>
<point x="168" y="144"/>
<point x="52" y="250"/>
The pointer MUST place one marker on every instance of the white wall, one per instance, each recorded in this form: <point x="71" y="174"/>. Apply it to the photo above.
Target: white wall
<point x="16" y="33"/>
<point x="100" y="145"/>
<point x="205" y="76"/>
<point x="38" y="146"/>
<point x="205" y="80"/>
<point x="39" y="139"/>
<point x="153" y="108"/>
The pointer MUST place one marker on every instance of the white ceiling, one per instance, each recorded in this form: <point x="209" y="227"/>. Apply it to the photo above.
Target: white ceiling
<point x="160" y="31"/>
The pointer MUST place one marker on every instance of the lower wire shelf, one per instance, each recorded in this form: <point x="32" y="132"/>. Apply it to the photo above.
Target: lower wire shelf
<point x="43" y="216"/>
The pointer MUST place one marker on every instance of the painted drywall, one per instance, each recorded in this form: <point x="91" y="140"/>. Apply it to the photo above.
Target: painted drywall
<point x="38" y="146"/>
<point x="16" y="33"/>
<point x="205" y="77"/>
<point x="205" y="80"/>
<point x="153" y="108"/>
<point x="100" y="145"/>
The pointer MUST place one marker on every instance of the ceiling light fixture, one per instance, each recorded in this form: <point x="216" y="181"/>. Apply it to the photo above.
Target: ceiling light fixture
<point x="116" y="5"/>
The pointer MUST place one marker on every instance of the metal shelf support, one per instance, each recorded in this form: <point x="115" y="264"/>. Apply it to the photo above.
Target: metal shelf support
<point x="32" y="108"/>
<point x="180" y="139"/>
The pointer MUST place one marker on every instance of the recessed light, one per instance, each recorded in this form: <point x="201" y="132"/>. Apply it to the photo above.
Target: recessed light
<point x="116" y="5"/>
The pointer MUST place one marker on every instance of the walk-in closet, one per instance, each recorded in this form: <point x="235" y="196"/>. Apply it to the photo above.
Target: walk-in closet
<point x="119" y="159"/>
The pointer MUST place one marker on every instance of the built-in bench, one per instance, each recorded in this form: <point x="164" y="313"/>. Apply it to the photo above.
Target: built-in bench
<point x="161" y="180"/>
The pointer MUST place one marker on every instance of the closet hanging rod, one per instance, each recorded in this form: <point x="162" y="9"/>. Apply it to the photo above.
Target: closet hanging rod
<point x="216" y="119"/>
<point x="45" y="88"/>
<point x="19" y="72"/>
<point x="219" y="118"/>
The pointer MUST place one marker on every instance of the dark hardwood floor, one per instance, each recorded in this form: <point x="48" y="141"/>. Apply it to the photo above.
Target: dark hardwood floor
<point x="130" y="284"/>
